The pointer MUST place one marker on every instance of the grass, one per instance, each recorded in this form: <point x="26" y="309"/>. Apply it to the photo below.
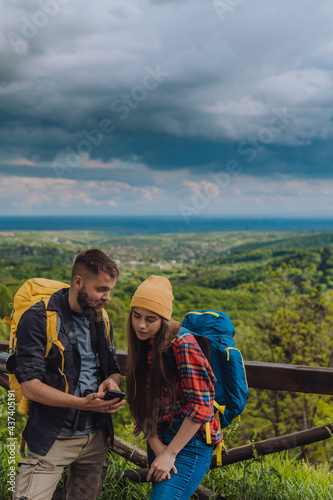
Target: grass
<point x="274" y="477"/>
<point x="115" y="486"/>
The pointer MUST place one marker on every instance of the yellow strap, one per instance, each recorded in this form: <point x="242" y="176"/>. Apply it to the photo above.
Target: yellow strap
<point x="208" y="434"/>
<point x="7" y="320"/>
<point x="206" y="312"/>
<point x="52" y="338"/>
<point x="220" y="408"/>
<point x="107" y="325"/>
<point x="220" y="446"/>
<point x="60" y="347"/>
<point x="24" y="405"/>
<point x="22" y="447"/>
<point x="219" y="449"/>
<point x="217" y="416"/>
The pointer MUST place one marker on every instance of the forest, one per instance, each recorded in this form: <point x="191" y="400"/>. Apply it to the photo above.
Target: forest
<point x="277" y="288"/>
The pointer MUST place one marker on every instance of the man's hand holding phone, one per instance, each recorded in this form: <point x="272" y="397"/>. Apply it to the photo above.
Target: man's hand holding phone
<point x="110" y="395"/>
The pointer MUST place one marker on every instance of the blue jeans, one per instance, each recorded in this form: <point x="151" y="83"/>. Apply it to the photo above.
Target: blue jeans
<point x="192" y="463"/>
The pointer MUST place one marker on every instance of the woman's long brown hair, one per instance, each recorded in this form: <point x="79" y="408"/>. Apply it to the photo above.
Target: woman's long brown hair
<point x="146" y="403"/>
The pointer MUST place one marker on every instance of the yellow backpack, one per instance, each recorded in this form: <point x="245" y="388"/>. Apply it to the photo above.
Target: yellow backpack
<point x="31" y="292"/>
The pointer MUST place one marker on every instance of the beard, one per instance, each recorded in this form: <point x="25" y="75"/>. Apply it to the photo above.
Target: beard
<point x="91" y="308"/>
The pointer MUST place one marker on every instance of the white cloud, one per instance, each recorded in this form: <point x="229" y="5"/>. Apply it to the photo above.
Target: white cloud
<point x="33" y="194"/>
<point x="114" y="164"/>
<point x="22" y="161"/>
<point x="241" y="194"/>
<point x="28" y="194"/>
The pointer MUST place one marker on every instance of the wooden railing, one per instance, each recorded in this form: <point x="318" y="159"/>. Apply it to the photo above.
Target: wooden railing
<point x="278" y="377"/>
<point x="273" y="376"/>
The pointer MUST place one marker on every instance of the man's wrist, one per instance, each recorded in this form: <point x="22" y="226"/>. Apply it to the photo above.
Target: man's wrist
<point x="78" y="403"/>
<point x="115" y="378"/>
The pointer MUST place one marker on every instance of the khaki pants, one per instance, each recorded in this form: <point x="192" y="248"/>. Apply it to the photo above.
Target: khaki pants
<point x="39" y="475"/>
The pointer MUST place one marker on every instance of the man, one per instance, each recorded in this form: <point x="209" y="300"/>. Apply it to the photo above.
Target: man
<point x="69" y="428"/>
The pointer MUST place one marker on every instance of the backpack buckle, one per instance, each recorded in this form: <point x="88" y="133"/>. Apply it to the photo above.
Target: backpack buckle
<point x="72" y="337"/>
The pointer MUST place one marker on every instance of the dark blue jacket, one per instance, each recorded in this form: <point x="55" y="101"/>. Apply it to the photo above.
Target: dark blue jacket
<point x="45" y="422"/>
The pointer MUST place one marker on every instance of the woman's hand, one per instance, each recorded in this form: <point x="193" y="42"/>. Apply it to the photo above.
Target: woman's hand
<point x="161" y="467"/>
<point x="165" y="461"/>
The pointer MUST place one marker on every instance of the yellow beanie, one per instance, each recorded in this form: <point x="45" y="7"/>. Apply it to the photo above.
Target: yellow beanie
<point x="155" y="294"/>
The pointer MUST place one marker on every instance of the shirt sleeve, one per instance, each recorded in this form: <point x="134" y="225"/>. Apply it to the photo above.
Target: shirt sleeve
<point x="196" y="379"/>
<point x="31" y="344"/>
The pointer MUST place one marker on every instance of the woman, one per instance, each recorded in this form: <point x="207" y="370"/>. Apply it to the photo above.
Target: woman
<point x="169" y="406"/>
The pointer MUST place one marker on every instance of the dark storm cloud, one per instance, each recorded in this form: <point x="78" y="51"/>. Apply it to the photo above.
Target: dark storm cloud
<point x="218" y="82"/>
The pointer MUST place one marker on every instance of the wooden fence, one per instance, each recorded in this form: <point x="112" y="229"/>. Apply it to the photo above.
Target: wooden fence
<point x="273" y="376"/>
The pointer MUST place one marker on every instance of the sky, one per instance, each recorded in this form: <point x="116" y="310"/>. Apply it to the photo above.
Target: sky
<point x="166" y="107"/>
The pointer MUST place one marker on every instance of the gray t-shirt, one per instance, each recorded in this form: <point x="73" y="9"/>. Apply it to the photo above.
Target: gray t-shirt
<point x="89" y="376"/>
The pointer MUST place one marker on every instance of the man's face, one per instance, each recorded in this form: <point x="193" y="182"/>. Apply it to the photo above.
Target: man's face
<point x="95" y="292"/>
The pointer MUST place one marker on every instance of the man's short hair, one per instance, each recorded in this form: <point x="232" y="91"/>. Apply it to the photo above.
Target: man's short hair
<point x="94" y="261"/>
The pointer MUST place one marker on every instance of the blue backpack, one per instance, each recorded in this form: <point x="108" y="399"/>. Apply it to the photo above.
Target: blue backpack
<point x="231" y="390"/>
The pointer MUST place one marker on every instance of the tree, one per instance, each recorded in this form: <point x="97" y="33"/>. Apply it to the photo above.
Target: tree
<point x="6" y="299"/>
<point x="293" y="319"/>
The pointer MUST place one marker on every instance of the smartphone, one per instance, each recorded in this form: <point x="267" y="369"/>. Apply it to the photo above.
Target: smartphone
<point x="113" y="395"/>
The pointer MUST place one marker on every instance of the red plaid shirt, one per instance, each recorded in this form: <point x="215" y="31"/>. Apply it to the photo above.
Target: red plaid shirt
<point x="195" y="386"/>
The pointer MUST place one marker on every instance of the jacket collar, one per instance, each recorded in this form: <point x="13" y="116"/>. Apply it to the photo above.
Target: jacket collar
<point x="55" y="300"/>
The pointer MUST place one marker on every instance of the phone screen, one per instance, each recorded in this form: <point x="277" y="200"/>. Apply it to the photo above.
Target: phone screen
<point x="113" y="395"/>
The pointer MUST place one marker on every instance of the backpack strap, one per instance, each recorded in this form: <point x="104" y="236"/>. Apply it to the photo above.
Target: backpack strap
<point x="219" y="450"/>
<point x="107" y="325"/>
<point x="220" y="409"/>
<point x="220" y="447"/>
<point x="8" y="319"/>
<point x="68" y="319"/>
<point x="52" y="332"/>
